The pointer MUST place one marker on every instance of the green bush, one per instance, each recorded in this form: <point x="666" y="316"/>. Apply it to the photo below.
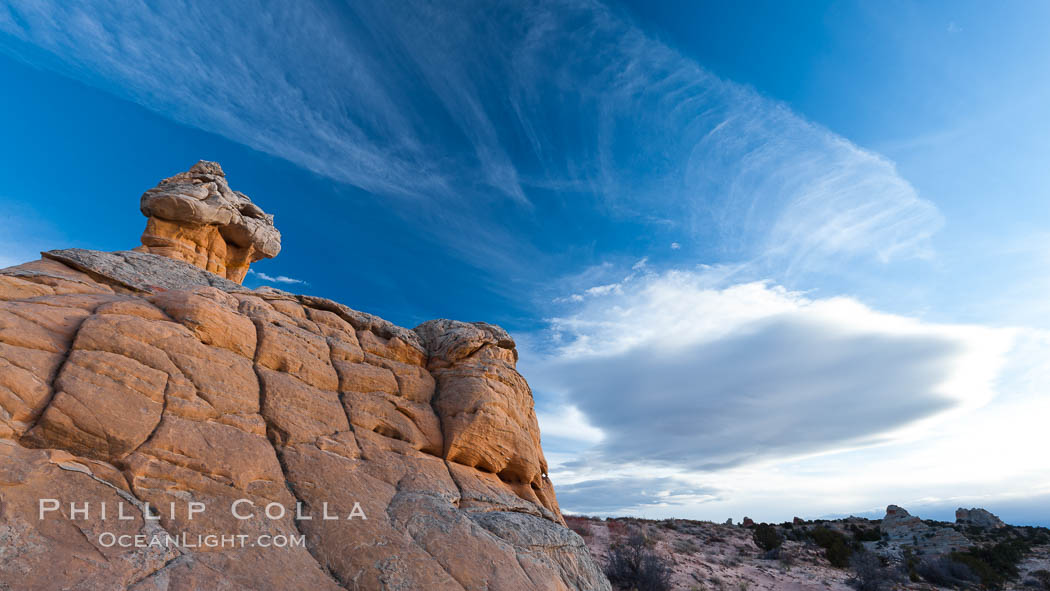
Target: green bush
<point x="995" y="564"/>
<point x="866" y="534"/>
<point x="836" y="546"/>
<point x="766" y="537"/>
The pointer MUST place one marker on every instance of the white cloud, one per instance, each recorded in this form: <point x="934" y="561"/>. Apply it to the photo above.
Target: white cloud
<point x="275" y="279"/>
<point x="675" y="246"/>
<point x="766" y="183"/>
<point x="625" y="494"/>
<point x="451" y="123"/>
<point x="599" y="290"/>
<point x="567" y="422"/>
<point x="682" y="370"/>
<point x="221" y="74"/>
<point x="718" y="399"/>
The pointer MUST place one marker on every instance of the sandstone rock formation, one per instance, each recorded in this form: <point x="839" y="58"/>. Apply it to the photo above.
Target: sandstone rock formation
<point x="978" y="518"/>
<point x="130" y="378"/>
<point x="901" y="529"/>
<point x="898" y="518"/>
<point x="195" y="217"/>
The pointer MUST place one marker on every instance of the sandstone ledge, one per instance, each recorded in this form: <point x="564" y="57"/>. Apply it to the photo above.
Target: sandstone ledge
<point x="131" y="376"/>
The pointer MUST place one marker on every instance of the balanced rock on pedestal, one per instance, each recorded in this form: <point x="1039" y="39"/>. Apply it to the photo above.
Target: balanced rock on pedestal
<point x="195" y="217"/>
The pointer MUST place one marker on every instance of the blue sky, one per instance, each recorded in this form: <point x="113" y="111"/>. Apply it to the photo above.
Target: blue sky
<point x="759" y="258"/>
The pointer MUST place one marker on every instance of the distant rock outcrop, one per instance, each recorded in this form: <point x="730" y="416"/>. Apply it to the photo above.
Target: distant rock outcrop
<point x="900" y="528"/>
<point x="898" y="518"/>
<point x="132" y="378"/>
<point x="195" y="217"/>
<point x="978" y="518"/>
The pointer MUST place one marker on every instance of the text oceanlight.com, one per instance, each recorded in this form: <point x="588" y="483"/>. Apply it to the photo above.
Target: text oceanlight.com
<point x="109" y="539"/>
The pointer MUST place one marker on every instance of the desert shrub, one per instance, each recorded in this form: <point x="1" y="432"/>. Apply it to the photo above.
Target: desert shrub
<point x="686" y="546"/>
<point x="870" y="574"/>
<point x="652" y="535"/>
<point x="616" y="527"/>
<point x="766" y="537"/>
<point x="988" y="575"/>
<point x="946" y="572"/>
<point x="731" y="561"/>
<point x="632" y="564"/>
<point x="836" y="546"/>
<point x="579" y="526"/>
<point x="911" y="565"/>
<point x="1037" y="535"/>
<point x="995" y="564"/>
<point x="673" y="525"/>
<point x="866" y="534"/>
<point x="1039" y="579"/>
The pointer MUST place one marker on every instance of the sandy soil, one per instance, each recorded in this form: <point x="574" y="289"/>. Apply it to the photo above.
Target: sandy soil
<point x="720" y="557"/>
<point x="717" y="557"/>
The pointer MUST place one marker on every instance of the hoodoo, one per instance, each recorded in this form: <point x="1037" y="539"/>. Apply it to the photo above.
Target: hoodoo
<point x="195" y="217"/>
<point x="152" y="383"/>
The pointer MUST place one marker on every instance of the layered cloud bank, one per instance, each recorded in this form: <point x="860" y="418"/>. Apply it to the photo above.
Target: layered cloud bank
<point x="679" y="371"/>
<point x="684" y="393"/>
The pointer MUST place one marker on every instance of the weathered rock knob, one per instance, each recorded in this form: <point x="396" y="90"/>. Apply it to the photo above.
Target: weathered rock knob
<point x="195" y="217"/>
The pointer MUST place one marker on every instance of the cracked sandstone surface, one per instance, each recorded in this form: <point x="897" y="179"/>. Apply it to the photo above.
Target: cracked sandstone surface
<point x="134" y="377"/>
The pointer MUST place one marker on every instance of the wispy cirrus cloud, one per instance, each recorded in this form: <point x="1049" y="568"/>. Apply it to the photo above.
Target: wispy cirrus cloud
<point x="672" y="143"/>
<point x="267" y="76"/>
<point x="460" y="111"/>
<point x="276" y="278"/>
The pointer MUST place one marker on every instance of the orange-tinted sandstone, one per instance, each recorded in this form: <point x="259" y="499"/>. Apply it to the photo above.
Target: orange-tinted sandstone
<point x="131" y="377"/>
<point x="195" y="217"/>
